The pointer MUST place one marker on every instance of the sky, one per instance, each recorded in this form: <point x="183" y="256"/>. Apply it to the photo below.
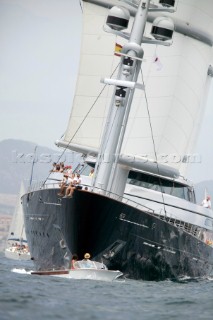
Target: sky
<point x="38" y="65"/>
<point x="39" y="54"/>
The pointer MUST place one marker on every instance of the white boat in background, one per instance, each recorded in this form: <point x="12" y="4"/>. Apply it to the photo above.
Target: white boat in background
<point x="93" y="271"/>
<point x="17" y="247"/>
<point x="17" y="253"/>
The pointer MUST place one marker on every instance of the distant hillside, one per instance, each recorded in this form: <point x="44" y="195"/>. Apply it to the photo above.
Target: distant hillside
<point x="16" y="157"/>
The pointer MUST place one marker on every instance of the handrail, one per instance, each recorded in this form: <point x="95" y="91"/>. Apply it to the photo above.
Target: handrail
<point x="39" y="186"/>
<point x="171" y="219"/>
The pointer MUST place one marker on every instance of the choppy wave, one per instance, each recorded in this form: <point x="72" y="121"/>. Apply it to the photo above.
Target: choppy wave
<point x="185" y="279"/>
<point x="50" y="298"/>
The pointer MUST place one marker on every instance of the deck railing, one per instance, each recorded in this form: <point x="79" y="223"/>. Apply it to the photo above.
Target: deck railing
<point x="55" y="185"/>
<point x="165" y="216"/>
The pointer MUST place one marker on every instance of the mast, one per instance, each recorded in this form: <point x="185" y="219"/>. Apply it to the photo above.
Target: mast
<point x="173" y="93"/>
<point x="32" y="168"/>
<point x="121" y="100"/>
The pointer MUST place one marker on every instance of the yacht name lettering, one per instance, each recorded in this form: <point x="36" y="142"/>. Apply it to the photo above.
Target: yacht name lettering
<point x="137" y="224"/>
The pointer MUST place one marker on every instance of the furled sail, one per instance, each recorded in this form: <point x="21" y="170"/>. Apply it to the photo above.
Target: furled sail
<point x="164" y="120"/>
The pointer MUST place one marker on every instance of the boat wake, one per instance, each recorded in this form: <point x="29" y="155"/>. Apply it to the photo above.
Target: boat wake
<point x="21" y="271"/>
<point x="210" y="278"/>
<point x="186" y="279"/>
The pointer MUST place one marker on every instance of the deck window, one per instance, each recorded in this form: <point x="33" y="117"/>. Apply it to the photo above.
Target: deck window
<point x="162" y="185"/>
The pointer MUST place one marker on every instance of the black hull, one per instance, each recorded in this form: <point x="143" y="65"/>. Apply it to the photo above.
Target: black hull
<point x="137" y="243"/>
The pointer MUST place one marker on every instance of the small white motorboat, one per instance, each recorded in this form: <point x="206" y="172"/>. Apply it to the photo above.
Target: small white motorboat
<point x="86" y="270"/>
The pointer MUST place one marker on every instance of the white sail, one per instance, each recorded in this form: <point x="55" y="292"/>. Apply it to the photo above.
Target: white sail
<point x="17" y="230"/>
<point x="175" y="84"/>
<point x="96" y="61"/>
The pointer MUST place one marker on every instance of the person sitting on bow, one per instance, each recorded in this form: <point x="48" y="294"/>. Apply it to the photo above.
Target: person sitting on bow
<point x="63" y="185"/>
<point x="74" y="184"/>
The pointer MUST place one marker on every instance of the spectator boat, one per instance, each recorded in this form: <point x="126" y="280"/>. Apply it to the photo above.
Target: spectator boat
<point x="17" y="247"/>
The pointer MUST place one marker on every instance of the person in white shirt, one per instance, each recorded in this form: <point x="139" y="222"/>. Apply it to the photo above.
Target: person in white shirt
<point x="87" y="263"/>
<point x="207" y="202"/>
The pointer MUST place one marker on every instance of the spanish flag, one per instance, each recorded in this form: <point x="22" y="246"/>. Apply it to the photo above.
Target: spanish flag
<point x="118" y="49"/>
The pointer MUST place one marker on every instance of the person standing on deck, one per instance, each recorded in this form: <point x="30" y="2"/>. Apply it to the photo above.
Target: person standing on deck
<point x="206" y="203"/>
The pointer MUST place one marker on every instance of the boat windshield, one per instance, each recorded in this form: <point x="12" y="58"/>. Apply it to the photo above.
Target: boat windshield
<point x="88" y="264"/>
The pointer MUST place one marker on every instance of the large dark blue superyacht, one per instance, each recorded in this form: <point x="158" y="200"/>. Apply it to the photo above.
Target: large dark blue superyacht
<point x="137" y="128"/>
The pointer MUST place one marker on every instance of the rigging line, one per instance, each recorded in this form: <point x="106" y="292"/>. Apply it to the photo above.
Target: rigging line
<point x="81" y="124"/>
<point x="153" y="141"/>
<point x="80" y="3"/>
<point x="63" y="134"/>
<point x="150" y="65"/>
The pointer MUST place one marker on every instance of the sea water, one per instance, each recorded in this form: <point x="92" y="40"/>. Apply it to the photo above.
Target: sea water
<point x="25" y="296"/>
